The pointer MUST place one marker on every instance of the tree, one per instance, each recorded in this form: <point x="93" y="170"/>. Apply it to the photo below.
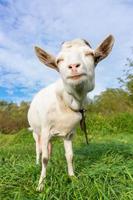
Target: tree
<point x="127" y="80"/>
<point x="111" y="101"/>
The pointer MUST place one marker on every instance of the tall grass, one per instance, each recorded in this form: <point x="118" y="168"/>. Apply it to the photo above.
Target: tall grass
<point x="109" y="124"/>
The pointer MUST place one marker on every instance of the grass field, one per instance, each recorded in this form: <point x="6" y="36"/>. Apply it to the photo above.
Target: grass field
<point x="104" y="168"/>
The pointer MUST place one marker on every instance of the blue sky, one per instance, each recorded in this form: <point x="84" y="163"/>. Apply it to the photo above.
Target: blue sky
<point x="24" y="24"/>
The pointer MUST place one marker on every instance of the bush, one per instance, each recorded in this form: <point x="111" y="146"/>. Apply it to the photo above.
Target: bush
<point x="13" y="117"/>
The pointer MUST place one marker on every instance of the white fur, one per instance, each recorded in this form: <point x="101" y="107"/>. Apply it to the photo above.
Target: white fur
<point x="54" y="111"/>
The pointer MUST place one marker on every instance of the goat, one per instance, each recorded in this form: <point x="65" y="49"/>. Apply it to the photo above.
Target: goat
<point x="55" y="110"/>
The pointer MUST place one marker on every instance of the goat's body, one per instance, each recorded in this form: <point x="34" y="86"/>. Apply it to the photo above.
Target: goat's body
<point x="51" y="114"/>
<point x="49" y="110"/>
<point x="55" y="110"/>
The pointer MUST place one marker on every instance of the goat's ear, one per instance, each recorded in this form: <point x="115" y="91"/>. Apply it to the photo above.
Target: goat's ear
<point x="103" y="50"/>
<point x="46" y="58"/>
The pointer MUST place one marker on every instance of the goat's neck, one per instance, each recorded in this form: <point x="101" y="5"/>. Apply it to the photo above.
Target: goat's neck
<point x="75" y="96"/>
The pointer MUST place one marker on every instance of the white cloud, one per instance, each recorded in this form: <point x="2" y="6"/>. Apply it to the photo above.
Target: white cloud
<point x="48" y="23"/>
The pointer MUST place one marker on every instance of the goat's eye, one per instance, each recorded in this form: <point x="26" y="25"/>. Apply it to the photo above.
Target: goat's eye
<point x="89" y="54"/>
<point x="59" y="60"/>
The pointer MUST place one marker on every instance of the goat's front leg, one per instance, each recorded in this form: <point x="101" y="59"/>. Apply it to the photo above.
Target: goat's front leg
<point x="37" y="138"/>
<point x="45" y="157"/>
<point x="69" y="155"/>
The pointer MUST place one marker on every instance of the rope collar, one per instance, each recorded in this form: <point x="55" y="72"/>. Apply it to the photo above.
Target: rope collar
<point x="83" y="124"/>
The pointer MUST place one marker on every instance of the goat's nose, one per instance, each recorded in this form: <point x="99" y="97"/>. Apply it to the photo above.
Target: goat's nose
<point x="74" y="66"/>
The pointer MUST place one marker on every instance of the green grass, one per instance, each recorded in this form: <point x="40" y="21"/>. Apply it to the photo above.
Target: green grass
<point x="104" y="168"/>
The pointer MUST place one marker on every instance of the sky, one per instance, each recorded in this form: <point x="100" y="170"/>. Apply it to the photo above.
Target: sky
<point x="24" y="24"/>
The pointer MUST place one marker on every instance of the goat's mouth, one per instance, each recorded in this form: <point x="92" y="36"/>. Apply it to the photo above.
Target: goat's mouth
<point x="76" y="76"/>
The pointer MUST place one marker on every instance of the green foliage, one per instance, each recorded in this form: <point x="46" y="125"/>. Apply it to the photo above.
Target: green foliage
<point x="104" y="169"/>
<point x="111" y="101"/>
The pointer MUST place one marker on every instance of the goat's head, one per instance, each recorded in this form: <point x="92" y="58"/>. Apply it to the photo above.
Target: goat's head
<point x="77" y="60"/>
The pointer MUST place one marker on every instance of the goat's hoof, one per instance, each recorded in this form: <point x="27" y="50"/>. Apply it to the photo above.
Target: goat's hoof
<point x="40" y="188"/>
<point x="73" y="178"/>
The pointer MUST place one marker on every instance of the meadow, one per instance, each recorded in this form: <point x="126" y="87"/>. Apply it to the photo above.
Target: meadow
<point x="103" y="169"/>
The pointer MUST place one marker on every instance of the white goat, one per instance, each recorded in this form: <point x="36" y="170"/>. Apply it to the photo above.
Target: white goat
<point x="55" y="110"/>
